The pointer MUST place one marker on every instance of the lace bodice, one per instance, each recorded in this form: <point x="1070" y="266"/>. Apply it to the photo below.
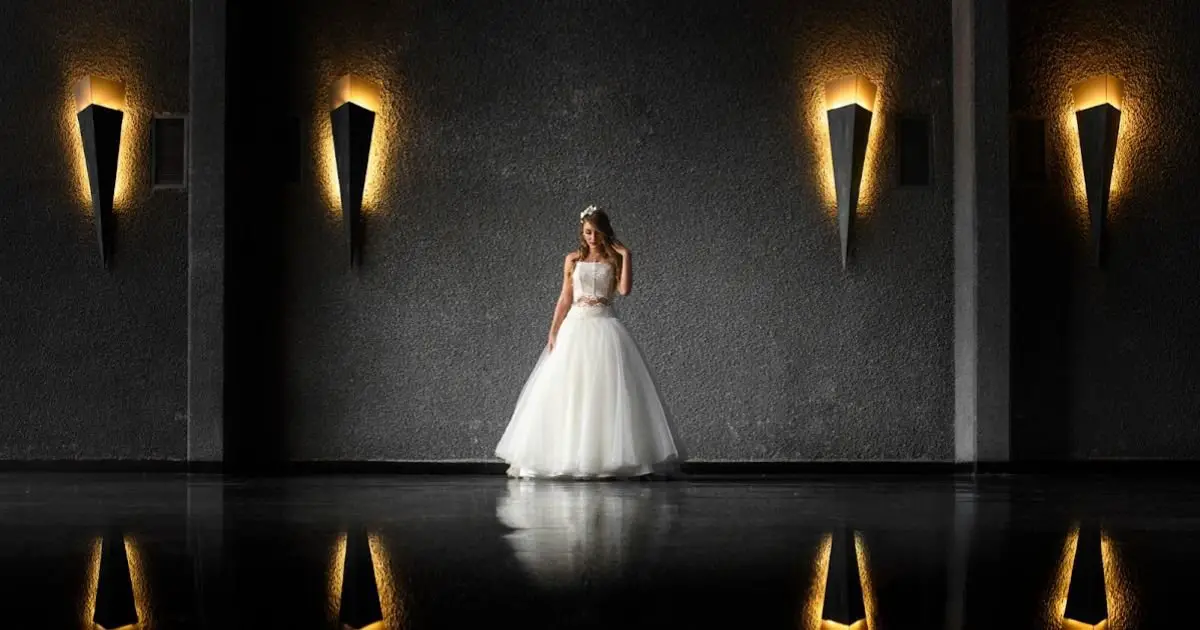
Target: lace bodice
<point x="592" y="283"/>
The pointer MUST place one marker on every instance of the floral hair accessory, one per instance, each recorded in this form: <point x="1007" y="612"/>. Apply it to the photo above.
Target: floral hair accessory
<point x="587" y="212"/>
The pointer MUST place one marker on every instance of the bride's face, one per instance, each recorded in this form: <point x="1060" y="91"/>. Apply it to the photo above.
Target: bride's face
<point x="592" y="236"/>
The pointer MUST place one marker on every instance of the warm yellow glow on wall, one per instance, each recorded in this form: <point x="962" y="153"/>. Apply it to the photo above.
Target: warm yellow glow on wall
<point x="816" y="105"/>
<point x="851" y="90"/>
<point x="94" y="90"/>
<point x="385" y="139"/>
<point x="137" y="577"/>
<point x="355" y="89"/>
<point x="1100" y="90"/>
<point x="134" y="125"/>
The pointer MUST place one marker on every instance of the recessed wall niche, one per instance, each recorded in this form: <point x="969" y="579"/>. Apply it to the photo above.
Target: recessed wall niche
<point x="913" y="145"/>
<point x="168" y="151"/>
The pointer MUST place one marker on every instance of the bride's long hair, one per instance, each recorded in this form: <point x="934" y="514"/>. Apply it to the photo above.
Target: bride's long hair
<point x="600" y="221"/>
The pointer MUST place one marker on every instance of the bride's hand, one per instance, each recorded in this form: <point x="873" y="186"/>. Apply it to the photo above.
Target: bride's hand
<point x="550" y="344"/>
<point x="620" y="249"/>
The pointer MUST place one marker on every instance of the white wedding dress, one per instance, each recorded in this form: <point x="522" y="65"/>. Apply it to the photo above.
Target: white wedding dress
<point x="590" y="408"/>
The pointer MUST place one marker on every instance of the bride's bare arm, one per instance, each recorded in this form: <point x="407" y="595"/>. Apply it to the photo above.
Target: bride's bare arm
<point x="564" y="297"/>
<point x="626" y="284"/>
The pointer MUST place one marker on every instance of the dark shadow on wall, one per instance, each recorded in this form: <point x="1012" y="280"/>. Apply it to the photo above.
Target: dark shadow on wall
<point x="258" y="161"/>
<point x="1041" y="256"/>
<point x="1041" y="306"/>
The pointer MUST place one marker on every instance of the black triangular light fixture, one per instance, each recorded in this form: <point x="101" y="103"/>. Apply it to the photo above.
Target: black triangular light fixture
<point x="352" y="116"/>
<point x="99" y="105"/>
<point x="1098" y="114"/>
<point x="849" y="102"/>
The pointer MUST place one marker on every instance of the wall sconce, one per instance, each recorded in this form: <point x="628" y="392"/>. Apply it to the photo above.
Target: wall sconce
<point x="360" y="605"/>
<point x="844" y="606"/>
<point x="98" y="104"/>
<point x="355" y="101"/>
<point x="849" y="102"/>
<point x="1098" y="112"/>
<point x="1087" y="597"/>
<point x="115" y="607"/>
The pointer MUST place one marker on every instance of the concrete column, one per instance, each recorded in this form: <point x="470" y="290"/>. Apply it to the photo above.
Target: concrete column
<point x="982" y="302"/>
<point x="206" y="233"/>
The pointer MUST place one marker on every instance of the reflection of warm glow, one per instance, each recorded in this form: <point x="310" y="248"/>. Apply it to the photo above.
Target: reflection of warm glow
<point x="333" y="594"/>
<point x="810" y="617"/>
<point x="1062" y="580"/>
<point x="826" y="624"/>
<point x="1071" y="624"/>
<point x="1117" y="590"/>
<point x="391" y="599"/>
<point x="384" y="138"/>
<point x="141" y="589"/>
<point x="810" y="614"/>
<point x="852" y="90"/>
<point x="93" y="90"/>
<point x="1101" y="90"/>
<point x="88" y="610"/>
<point x="864" y="578"/>
<point x="355" y="89"/>
<point x="132" y="126"/>
<point x="137" y="577"/>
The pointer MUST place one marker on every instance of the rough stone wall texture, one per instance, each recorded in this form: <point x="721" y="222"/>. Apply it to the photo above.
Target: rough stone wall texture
<point x="1104" y="358"/>
<point x="94" y="362"/>
<point x="700" y="125"/>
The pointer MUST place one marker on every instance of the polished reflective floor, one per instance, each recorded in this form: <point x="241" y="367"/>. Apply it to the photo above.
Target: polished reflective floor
<point x="889" y="553"/>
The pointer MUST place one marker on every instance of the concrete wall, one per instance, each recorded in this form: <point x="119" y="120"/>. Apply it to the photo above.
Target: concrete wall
<point x="94" y="362"/>
<point x="1104" y="362"/>
<point x="701" y="126"/>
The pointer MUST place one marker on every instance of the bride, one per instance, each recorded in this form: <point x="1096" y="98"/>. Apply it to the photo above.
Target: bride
<point x="590" y="408"/>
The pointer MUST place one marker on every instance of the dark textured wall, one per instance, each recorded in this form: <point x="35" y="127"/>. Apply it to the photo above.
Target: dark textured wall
<point x="700" y="126"/>
<point x="94" y="362"/>
<point x="1104" y="358"/>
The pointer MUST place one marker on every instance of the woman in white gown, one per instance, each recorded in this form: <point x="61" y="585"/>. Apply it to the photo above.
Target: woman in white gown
<point x="590" y="408"/>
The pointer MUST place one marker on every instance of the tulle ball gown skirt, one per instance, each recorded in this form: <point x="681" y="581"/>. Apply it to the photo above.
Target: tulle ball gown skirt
<point x="590" y="408"/>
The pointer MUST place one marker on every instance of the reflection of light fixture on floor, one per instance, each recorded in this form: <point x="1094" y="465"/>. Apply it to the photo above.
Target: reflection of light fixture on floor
<point x="844" y="606"/>
<point x="1098" y="113"/>
<point x="848" y="102"/>
<point x="355" y="101"/>
<point x="1087" y="598"/>
<point x="99" y="103"/>
<point x="360" y="605"/>
<point x="115" y="606"/>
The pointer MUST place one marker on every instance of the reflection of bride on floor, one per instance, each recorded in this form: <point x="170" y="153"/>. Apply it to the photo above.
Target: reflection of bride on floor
<point x="567" y="533"/>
